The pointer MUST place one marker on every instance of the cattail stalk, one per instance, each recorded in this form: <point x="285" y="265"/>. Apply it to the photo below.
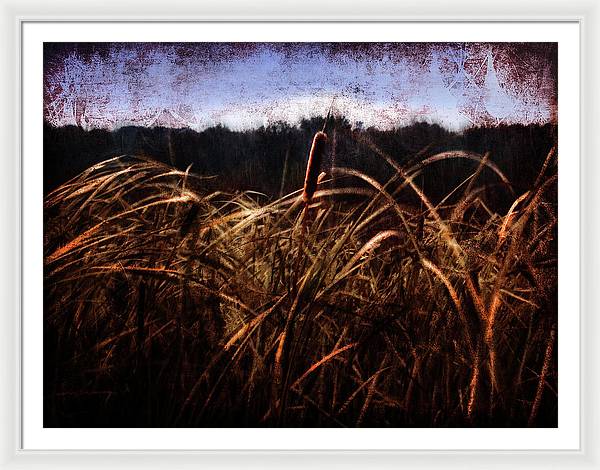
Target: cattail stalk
<point x="313" y="169"/>
<point x="284" y="172"/>
<point x="311" y="180"/>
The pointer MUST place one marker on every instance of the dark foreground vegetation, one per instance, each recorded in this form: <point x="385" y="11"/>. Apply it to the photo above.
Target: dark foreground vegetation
<point x="418" y="287"/>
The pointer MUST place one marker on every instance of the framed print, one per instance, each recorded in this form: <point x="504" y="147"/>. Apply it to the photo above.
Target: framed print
<point x="337" y="237"/>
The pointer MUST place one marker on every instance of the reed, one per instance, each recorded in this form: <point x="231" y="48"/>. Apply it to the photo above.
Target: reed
<point x="313" y="167"/>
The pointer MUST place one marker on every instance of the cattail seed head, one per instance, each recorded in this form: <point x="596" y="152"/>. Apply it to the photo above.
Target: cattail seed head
<point x="313" y="168"/>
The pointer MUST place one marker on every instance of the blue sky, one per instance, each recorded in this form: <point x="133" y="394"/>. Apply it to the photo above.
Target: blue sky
<point x="243" y="86"/>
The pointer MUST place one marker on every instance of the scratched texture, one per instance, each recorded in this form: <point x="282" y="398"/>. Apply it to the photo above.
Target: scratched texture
<point x="246" y="85"/>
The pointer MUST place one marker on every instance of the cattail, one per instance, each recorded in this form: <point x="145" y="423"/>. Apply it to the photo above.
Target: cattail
<point x="313" y="168"/>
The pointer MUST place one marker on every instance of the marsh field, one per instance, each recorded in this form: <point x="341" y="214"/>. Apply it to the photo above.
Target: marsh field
<point x="408" y="279"/>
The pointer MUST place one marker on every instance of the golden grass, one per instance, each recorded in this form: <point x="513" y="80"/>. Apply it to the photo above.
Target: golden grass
<point x="371" y="313"/>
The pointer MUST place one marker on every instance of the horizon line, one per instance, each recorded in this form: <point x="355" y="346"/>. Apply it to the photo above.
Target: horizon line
<point x="356" y="126"/>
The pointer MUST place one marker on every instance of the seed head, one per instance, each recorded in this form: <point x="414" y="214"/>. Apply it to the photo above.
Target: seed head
<point x="313" y="168"/>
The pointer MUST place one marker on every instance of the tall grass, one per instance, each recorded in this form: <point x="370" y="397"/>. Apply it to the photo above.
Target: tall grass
<point x="169" y="304"/>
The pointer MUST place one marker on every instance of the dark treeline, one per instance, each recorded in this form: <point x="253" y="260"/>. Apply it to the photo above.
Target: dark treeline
<point x="272" y="159"/>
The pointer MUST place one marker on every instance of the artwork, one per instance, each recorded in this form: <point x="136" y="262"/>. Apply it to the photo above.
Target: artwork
<point x="300" y="234"/>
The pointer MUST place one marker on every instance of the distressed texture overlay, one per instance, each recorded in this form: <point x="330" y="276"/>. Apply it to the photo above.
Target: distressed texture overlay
<point x="248" y="85"/>
<point x="300" y="235"/>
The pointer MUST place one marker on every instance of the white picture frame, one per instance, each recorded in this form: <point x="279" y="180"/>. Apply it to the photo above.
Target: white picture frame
<point x="16" y="14"/>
